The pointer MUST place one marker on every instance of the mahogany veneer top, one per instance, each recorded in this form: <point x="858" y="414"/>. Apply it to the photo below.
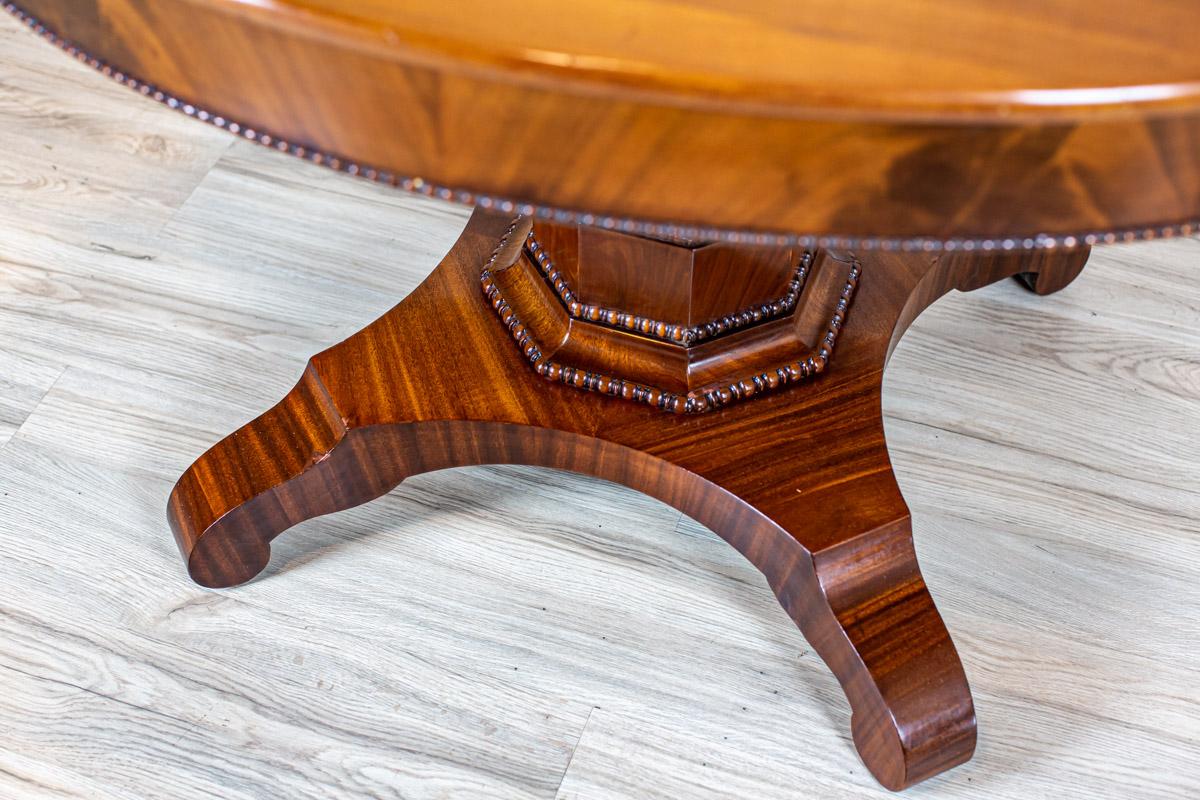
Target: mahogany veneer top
<point x="818" y="57"/>
<point x="1022" y="124"/>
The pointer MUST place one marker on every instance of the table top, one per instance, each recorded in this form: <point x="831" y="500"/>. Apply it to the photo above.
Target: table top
<point x="864" y="58"/>
<point x="958" y="123"/>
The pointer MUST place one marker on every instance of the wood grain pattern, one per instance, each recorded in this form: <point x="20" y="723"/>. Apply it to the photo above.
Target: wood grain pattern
<point x="313" y="454"/>
<point x="684" y="292"/>
<point x="1043" y="445"/>
<point x="324" y="85"/>
<point x="826" y="54"/>
<point x="798" y="482"/>
<point x="675" y="367"/>
<point x="23" y="382"/>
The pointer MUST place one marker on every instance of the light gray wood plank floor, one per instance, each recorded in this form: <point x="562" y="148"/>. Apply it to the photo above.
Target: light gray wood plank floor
<point x="516" y="632"/>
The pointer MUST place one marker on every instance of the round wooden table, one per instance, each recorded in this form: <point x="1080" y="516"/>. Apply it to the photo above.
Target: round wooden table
<point x="700" y="230"/>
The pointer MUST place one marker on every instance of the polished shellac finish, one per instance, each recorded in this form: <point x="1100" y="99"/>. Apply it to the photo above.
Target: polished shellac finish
<point x="681" y="287"/>
<point x="798" y="481"/>
<point x="894" y="172"/>
<point x="1051" y="122"/>
<point x="958" y="56"/>
<point x="701" y="360"/>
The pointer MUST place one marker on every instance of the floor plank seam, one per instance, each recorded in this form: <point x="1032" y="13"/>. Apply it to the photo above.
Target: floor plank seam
<point x="32" y="411"/>
<point x="574" y="750"/>
<point x="156" y="236"/>
<point x="1052" y="516"/>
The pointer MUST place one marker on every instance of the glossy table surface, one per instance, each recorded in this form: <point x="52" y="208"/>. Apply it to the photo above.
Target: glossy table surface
<point x="826" y="57"/>
<point x="960" y="124"/>
<point x="705" y="377"/>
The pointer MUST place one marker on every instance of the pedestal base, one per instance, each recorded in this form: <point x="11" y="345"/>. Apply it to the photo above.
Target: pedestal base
<point x="798" y="480"/>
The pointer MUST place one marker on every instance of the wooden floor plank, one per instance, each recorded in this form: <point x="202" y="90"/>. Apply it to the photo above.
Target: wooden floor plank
<point x="23" y="383"/>
<point x="513" y="632"/>
<point x="81" y="152"/>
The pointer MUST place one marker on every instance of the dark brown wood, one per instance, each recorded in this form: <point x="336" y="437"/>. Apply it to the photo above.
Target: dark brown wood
<point x="682" y="289"/>
<point x="1051" y="123"/>
<point x="797" y="480"/>
<point x="672" y="365"/>
<point x="913" y="154"/>
<point x="681" y="286"/>
<point x="1054" y="271"/>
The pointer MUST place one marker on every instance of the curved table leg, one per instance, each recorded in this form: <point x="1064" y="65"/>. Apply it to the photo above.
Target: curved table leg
<point x="797" y="480"/>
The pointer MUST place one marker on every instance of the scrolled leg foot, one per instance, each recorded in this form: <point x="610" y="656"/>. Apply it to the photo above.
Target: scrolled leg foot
<point x="841" y="560"/>
<point x="1049" y="271"/>
<point x="295" y="462"/>
<point x="913" y="716"/>
<point x="798" y="480"/>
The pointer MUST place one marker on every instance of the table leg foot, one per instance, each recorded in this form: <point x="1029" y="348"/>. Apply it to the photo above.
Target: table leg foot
<point x="1053" y="271"/>
<point x="873" y="621"/>
<point x="797" y="479"/>
<point x="297" y="461"/>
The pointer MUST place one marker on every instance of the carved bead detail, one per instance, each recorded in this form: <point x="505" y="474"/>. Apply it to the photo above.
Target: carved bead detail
<point x="666" y="331"/>
<point x="696" y="401"/>
<point x="419" y="185"/>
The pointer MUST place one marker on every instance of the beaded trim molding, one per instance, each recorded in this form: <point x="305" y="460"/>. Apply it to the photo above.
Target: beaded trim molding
<point x="418" y="185"/>
<point x="697" y="401"/>
<point x="667" y="331"/>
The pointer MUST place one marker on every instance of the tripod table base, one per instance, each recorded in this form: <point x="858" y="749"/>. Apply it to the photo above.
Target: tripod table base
<point x="797" y="479"/>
